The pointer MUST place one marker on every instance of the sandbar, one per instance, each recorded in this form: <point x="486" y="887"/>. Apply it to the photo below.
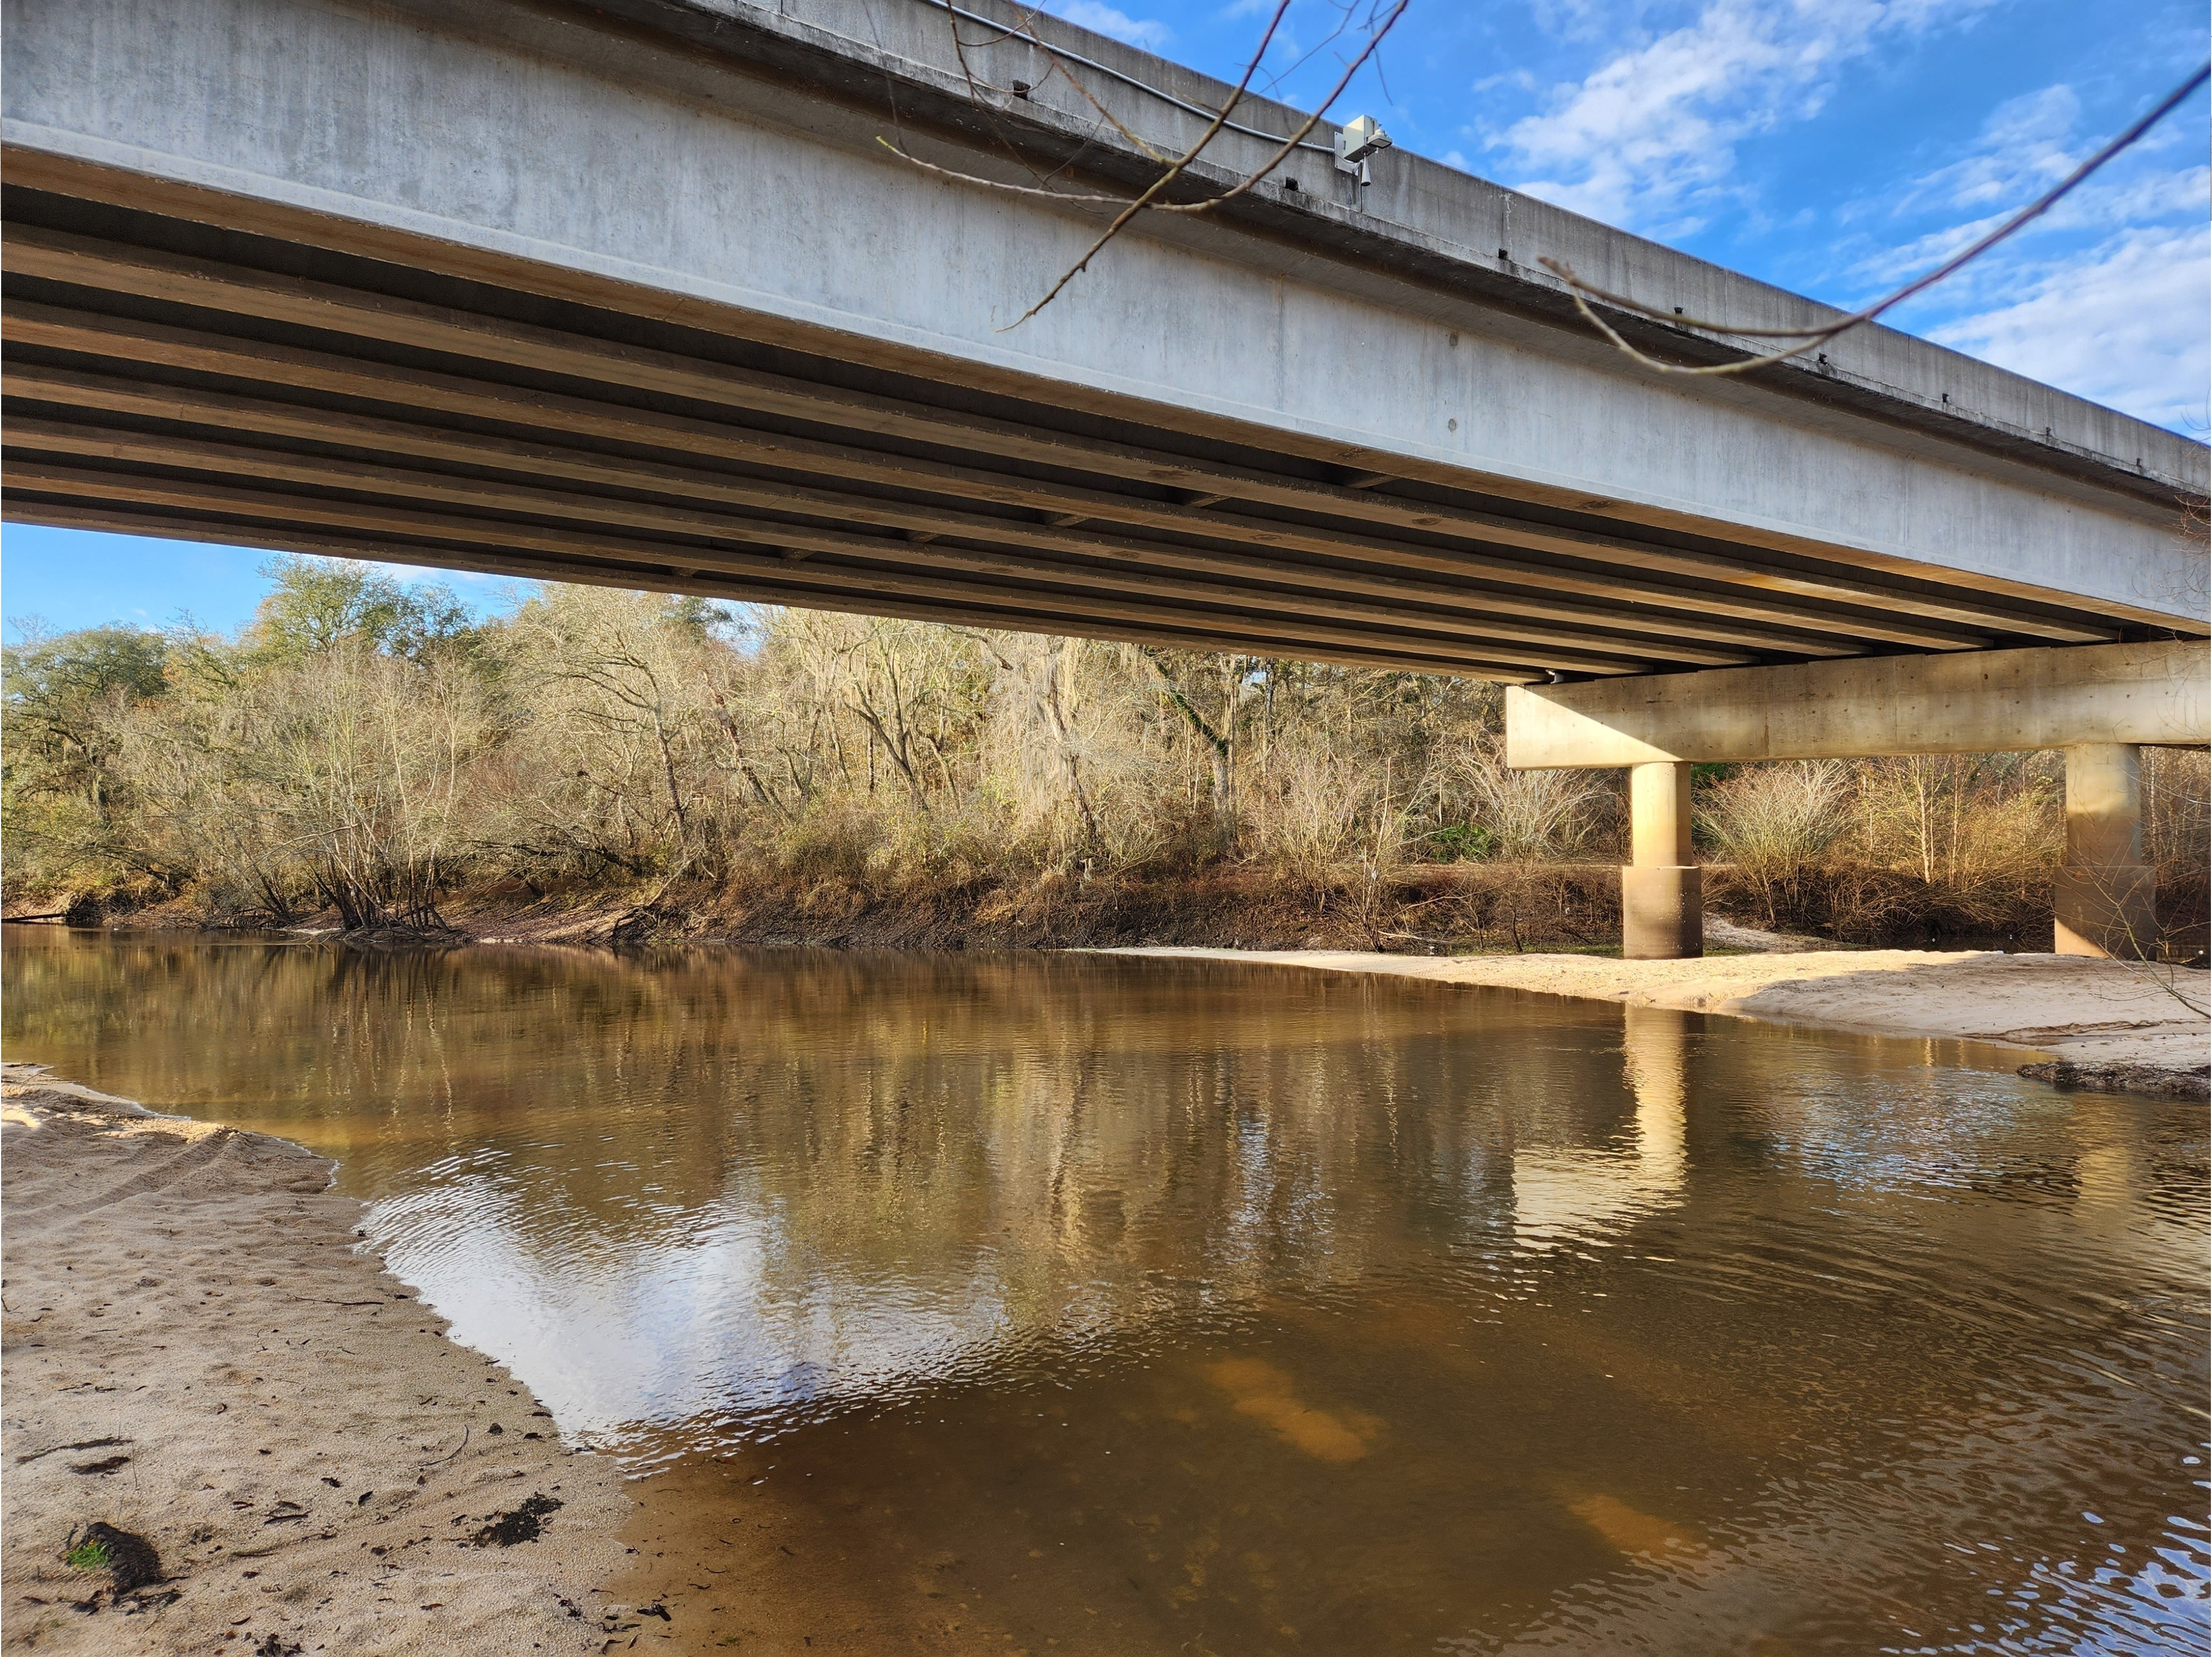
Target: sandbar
<point x="2086" y="1023"/>
<point x="199" y="1358"/>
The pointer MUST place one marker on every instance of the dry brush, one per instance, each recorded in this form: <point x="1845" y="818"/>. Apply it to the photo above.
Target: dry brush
<point x="366" y="752"/>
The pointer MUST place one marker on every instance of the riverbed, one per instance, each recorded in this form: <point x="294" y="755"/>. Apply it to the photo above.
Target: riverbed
<point x="938" y="1303"/>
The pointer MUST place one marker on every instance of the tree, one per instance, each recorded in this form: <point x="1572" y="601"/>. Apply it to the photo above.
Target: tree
<point x="320" y="602"/>
<point x="1214" y="694"/>
<point x="62" y="794"/>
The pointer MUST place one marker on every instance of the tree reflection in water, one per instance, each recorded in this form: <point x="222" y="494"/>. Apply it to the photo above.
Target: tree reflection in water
<point x="1156" y="1306"/>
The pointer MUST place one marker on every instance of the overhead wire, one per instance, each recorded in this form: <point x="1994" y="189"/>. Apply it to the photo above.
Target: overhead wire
<point x="1810" y="338"/>
<point x="1067" y="55"/>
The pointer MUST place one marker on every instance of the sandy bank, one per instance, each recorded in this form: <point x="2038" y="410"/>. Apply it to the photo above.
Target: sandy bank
<point x="195" y="1355"/>
<point x="2099" y="1017"/>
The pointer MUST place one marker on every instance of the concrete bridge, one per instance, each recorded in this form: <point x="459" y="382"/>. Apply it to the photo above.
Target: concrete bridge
<point x="634" y="291"/>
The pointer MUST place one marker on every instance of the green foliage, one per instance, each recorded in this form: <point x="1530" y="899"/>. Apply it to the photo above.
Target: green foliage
<point x="52" y="679"/>
<point x="88" y="1555"/>
<point x="60" y="790"/>
<point x="318" y="604"/>
<point x="1462" y="842"/>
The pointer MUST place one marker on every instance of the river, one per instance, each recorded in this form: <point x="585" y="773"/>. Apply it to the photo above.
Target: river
<point x="1069" y="1303"/>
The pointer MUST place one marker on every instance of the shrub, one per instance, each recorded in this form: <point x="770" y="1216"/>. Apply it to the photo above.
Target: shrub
<point x="1775" y="823"/>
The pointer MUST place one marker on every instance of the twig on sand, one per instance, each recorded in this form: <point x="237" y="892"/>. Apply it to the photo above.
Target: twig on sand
<point x="449" y="1454"/>
<point x="86" y="1444"/>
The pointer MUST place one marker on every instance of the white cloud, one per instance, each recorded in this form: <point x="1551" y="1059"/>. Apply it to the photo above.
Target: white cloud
<point x="420" y="575"/>
<point x="2106" y="295"/>
<point x="1519" y="79"/>
<point x="2185" y="190"/>
<point x="1096" y="15"/>
<point x="1654" y="128"/>
<point x="2122" y="323"/>
<point x="2026" y="146"/>
<point x="2021" y="149"/>
<point x="2102" y="206"/>
<point x="1892" y="266"/>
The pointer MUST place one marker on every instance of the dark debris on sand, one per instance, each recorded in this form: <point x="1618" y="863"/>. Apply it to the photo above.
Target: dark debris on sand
<point x="2149" y="1081"/>
<point x="524" y="1524"/>
<point x="131" y="1562"/>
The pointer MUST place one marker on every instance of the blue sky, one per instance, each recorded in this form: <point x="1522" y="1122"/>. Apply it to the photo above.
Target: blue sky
<point x="62" y="580"/>
<point x="1835" y="147"/>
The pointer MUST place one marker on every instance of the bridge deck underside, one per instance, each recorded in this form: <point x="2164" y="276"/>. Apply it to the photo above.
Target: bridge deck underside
<point x="170" y="380"/>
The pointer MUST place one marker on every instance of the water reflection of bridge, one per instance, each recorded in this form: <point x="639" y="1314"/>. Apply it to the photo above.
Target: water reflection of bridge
<point x="732" y="1185"/>
<point x="1563" y="1194"/>
<point x="1467" y="1294"/>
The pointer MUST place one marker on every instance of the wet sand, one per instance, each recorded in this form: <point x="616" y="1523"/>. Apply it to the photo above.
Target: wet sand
<point x="2125" y="1026"/>
<point x="195" y="1356"/>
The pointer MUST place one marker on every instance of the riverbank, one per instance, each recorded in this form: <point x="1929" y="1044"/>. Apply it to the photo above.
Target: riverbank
<point x="229" y="1431"/>
<point x="1421" y="906"/>
<point x="1413" y="907"/>
<point x="2101" y="1025"/>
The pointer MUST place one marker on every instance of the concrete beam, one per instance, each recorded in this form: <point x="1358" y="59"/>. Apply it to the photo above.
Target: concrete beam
<point x="1979" y="702"/>
<point x="713" y="166"/>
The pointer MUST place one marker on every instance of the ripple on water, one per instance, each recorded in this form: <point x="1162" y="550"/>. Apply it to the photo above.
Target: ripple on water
<point x="1143" y="1306"/>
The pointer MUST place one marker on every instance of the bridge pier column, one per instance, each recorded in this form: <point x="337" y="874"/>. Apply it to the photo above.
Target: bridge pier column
<point x="1662" y="913"/>
<point x="2102" y="901"/>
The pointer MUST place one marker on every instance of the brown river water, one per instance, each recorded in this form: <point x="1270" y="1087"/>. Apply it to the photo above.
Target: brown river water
<point x="1030" y="1302"/>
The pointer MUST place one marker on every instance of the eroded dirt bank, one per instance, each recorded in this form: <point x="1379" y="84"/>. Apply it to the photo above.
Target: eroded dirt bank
<point x="1426" y="905"/>
<point x="2120" y="1027"/>
<point x="286" y="1453"/>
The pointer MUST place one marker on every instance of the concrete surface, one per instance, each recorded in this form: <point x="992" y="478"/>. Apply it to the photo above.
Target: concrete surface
<point x="714" y="166"/>
<point x="1984" y="702"/>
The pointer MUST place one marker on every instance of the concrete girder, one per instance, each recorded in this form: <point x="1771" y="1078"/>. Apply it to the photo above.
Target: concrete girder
<point x="1980" y="702"/>
<point x="783" y="568"/>
<point x="1567" y="591"/>
<point x="968" y="607"/>
<point x="1556" y="594"/>
<point x="1155" y="571"/>
<point x="1541" y="591"/>
<point x="681" y="207"/>
<point x="1888" y="606"/>
<point x="2100" y="703"/>
<point x="35" y="443"/>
